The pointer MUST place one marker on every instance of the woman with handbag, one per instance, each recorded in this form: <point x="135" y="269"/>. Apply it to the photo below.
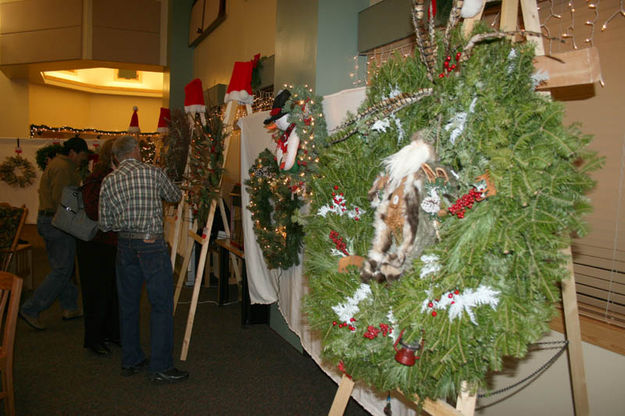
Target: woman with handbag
<point x="96" y="263"/>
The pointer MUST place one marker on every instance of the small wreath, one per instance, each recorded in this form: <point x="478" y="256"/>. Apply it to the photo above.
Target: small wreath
<point x="273" y="208"/>
<point x="45" y="153"/>
<point x="17" y="172"/>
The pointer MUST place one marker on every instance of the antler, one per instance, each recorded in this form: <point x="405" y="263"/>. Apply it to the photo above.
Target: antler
<point x="454" y="18"/>
<point x="424" y="31"/>
<point x="383" y="109"/>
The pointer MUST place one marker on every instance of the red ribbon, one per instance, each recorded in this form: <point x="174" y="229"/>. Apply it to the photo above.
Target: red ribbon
<point x="285" y="137"/>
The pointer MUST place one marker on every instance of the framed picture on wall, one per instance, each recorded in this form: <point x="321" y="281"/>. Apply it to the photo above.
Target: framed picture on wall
<point x="206" y="15"/>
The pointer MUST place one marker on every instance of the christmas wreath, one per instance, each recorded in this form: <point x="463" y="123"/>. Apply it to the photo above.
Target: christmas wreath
<point x="205" y="166"/>
<point x="274" y="211"/>
<point x="476" y="284"/>
<point x="47" y="153"/>
<point x="278" y="192"/>
<point x="17" y="171"/>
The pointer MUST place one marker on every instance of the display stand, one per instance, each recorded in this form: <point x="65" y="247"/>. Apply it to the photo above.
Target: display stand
<point x="203" y="240"/>
<point x="465" y="404"/>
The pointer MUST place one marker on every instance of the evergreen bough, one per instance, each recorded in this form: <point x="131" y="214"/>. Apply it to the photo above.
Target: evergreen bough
<point x="511" y="242"/>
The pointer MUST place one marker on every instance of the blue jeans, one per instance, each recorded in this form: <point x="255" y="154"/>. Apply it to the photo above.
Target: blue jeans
<point x="61" y="249"/>
<point x="139" y="262"/>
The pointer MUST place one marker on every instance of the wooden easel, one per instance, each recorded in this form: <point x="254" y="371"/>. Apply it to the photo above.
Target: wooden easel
<point x="589" y="73"/>
<point x="203" y="240"/>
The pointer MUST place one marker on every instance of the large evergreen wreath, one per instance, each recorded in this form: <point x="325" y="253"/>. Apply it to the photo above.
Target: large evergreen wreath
<point x="487" y="287"/>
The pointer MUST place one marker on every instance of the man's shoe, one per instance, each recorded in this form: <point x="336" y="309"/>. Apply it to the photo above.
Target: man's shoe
<point x="170" y="376"/>
<point x="33" y="321"/>
<point x="99" y="349"/>
<point x="137" y="368"/>
<point x="115" y="341"/>
<point x="69" y="315"/>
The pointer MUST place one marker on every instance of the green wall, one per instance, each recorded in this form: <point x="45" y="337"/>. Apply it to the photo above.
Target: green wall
<point x="180" y="55"/>
<point x="337" y="44"/>
<point x="296" y="43"/>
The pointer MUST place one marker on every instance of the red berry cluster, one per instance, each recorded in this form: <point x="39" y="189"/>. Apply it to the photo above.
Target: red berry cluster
<point x="346" y="325"/>
<point x="297" y="186"/>
<point x="338" y="241"/>
<point x="449" y="67"/>
<point x="341" y="368"/>
<point x="465" y="202"/>
<point x="373" y="332"/>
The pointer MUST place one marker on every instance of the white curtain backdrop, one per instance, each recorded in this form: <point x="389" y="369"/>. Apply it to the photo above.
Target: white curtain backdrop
<point x="287" y="287"/>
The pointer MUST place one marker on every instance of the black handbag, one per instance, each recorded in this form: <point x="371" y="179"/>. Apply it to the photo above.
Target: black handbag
<point x="71" y="217"/>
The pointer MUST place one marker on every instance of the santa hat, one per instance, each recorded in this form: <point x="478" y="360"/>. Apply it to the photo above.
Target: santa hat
<point x="277" y="108"/>
<point x="163" y="121"/>
<point x="194" y="99"/>
<point x="240" y="86"/>
<point x="134" y="121"/>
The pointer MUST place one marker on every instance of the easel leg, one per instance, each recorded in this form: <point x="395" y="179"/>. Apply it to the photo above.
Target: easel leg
<point x="224" y="220"/>
<point x="198" y="282"/>
<point x="466" y="401"/>
<point x="182" y="273"/>
<point x="573" y="335"/>
<point x="342" y="396"/>
<point x="176" y="237"/>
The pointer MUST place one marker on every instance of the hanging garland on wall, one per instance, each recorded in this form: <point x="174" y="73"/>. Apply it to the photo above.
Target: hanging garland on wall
<point x="486" y="284"/>
<point x="42" y="130"/>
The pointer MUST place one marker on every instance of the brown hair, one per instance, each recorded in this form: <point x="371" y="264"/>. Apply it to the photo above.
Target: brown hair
<point x="105" y="156"/>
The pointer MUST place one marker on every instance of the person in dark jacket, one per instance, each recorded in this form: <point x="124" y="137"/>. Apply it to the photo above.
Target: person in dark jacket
<point x="96" y="263"/>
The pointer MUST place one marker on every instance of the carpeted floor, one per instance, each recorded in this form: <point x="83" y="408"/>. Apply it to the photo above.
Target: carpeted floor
<point x="234" y="370"/>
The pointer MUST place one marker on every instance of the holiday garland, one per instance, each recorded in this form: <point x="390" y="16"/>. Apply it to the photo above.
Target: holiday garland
<point x="487" y="287"/>
<point x="273" y="208"/>
<point x="205" y="166"/>
<point x="176" y="145"/>
<point x="17" y="171"/>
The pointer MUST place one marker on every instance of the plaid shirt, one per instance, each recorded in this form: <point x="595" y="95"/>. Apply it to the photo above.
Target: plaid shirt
<point x="131" y="198"/>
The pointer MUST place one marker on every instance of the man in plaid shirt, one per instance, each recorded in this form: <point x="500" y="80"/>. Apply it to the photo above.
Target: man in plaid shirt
<point x="131" y="204"/>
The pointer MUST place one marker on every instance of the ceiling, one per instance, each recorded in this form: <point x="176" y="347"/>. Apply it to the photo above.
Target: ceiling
<point x="107" y="81"/>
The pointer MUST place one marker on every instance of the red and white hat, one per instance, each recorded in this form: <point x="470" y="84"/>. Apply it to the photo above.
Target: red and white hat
<point x="194" y="97"/>
<point x="163" y="121"/>
<point x="194" y="100"/>
<point x="240" y="86"/>
<point x="134" y="121"/>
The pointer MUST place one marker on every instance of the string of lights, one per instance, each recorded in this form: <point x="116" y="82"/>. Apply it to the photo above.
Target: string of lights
<point x="621" y="11"/>
<point x="46" y="131"/>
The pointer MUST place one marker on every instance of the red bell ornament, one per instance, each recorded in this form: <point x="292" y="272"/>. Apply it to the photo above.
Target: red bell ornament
<point x="406" y="355"/>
